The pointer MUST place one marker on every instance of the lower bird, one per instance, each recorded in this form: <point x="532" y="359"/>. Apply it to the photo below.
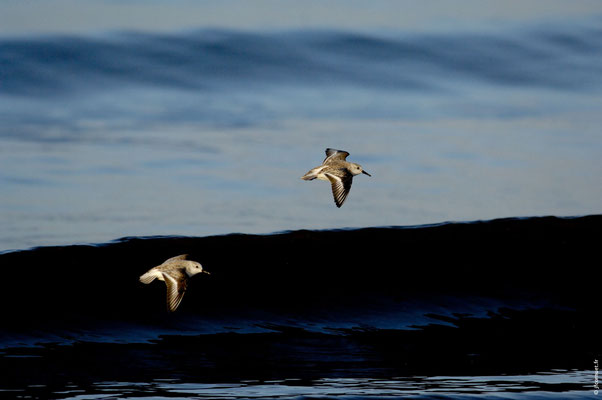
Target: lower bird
<point x="338" y="171"/>
<point x="175" y="272"/>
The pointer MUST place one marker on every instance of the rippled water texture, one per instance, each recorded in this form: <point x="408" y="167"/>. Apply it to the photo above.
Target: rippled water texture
<point x="549" y="385"/>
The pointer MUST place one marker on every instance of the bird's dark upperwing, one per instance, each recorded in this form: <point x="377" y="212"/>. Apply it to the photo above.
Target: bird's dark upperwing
<point x="334" y="154"/>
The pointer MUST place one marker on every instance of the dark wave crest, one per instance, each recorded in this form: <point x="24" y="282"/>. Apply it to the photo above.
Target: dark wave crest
<point x="510" y="296"/>
<point x="327" y="281"/>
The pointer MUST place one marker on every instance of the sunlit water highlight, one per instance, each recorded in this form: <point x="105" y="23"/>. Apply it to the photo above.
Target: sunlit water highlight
<point x="574" y="384"/>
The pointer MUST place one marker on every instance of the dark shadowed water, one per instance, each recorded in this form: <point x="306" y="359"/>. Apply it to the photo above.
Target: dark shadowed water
<point x="505" y="308"/>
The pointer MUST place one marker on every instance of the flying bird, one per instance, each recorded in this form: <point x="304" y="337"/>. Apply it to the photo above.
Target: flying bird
<point x="175" y="272"/>
<point x="338" y="171"/>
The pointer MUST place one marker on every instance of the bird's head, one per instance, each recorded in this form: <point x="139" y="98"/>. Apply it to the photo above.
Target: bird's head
<point x="193" y="268"/>
<point x="357" y="169"/>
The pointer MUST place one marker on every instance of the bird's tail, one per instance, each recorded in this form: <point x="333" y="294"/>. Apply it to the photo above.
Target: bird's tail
<point x="310" y="175"/>
<point x="148" y="277"/>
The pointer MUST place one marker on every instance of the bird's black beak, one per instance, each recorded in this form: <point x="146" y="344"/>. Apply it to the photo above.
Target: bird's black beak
<point x="364" y="172"/>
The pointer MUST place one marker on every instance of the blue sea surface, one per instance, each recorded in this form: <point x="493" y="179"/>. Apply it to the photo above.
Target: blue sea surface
<point x="208" y="131"/>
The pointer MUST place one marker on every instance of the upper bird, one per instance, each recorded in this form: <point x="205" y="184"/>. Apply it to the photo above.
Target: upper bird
<point x="338" y="171"/>
<point x="175" y="272"/>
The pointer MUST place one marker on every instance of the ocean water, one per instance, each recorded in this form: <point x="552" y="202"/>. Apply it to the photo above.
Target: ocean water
<point x="453" y="311"/>
<point x="120" y="148"/>
<point x="207" y="131"/>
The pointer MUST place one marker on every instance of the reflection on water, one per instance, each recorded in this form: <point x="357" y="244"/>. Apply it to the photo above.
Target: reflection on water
<point x="556" y="384"/>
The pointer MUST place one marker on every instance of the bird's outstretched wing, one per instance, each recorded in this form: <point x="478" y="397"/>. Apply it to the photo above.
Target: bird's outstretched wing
<point x="175" y="291"/>
<point x="334" y="154"/>
<point x="176" y="258"/>
<point x="341" y="185"/>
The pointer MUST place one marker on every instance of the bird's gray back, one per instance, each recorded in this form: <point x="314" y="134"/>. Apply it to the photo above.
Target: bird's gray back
<point x="174" y="268"/>
<point x="337" y="167"/>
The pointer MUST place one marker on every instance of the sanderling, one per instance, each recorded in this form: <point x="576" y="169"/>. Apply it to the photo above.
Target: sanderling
<point x="175" y="272"/>
<point x="339" y="172"/>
